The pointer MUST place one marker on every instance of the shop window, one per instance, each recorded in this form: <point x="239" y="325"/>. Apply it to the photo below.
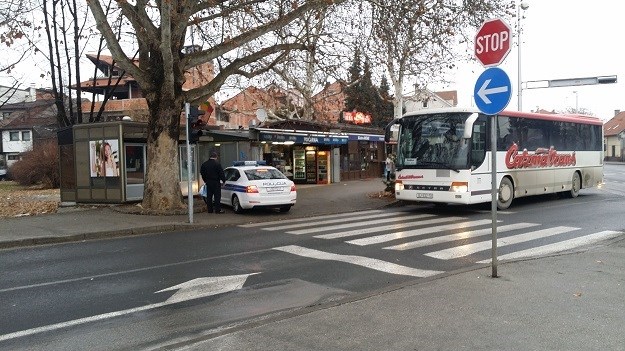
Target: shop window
<point x="135" y="164"/>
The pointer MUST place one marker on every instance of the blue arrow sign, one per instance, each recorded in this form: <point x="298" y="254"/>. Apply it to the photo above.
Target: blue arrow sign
<point x="492" y="91"/>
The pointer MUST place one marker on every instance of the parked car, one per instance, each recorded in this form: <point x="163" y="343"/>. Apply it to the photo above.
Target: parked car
<point x="253" y="184"/>
<point x="3" y="174"/>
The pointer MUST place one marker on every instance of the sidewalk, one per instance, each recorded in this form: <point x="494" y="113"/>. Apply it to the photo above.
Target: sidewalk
<point x="564" y="302"/>
<point x="97" y="222"/>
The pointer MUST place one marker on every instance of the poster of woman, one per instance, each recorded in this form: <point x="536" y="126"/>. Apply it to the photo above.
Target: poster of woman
<point x="104" y="158"/>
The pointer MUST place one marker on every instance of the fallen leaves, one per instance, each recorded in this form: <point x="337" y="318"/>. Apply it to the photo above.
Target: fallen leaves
<point x="17" y="201"/>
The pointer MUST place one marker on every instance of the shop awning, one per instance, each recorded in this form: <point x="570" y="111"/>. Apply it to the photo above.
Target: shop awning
<point x="302" y="138"/>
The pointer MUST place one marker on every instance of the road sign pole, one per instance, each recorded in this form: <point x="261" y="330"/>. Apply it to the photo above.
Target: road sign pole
<point x="492" y="93"/>
<point x="493" y="202"/>
<point x="187" y="109"/>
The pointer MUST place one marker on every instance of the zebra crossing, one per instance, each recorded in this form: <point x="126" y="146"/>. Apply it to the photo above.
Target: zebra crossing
<point x="404" y="231"/>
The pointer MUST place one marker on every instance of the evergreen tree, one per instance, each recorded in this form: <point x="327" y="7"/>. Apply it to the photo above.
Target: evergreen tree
<point x="360" y="94"/>
<point x="351" y="90"/>
<point x="385" y="104"/>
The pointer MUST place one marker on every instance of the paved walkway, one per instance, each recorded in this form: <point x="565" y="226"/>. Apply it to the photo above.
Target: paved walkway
<point x="96" y="222"/>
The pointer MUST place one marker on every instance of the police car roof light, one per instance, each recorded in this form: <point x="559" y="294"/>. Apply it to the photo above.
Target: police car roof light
<point x="249" y="163"/>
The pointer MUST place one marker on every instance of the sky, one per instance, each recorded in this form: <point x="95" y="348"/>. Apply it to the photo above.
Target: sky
<point x="559" y="40"/>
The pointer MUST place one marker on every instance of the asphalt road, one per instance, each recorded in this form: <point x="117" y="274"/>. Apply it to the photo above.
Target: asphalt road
<point x="112" y="294"/>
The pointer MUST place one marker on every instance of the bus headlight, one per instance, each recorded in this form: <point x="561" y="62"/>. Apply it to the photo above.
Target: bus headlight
<point x="399" y="186"/>
<point x="459" y="187"/>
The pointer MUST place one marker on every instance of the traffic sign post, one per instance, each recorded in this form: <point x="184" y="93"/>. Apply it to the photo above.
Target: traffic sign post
<point x="492" y="42"/>
<point x="492" y="94"/>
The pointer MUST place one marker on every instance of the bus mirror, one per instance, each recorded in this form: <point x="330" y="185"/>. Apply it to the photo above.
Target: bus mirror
<point x="391" y="134"/>
<point x="468" y="126"/>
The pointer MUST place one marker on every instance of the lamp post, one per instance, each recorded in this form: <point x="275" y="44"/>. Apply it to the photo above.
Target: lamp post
<point x="522" y="6"/>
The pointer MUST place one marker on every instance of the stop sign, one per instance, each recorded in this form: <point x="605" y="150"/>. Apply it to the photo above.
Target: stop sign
<point x="492" y="42"/>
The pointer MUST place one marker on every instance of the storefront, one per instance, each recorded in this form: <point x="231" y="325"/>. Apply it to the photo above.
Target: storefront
<point x="316" y="153"/>
<point x="303" y="156"/>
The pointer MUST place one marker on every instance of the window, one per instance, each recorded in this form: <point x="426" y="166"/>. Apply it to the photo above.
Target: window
<point x="14" y="136"/>
<point x="26" y="136"/>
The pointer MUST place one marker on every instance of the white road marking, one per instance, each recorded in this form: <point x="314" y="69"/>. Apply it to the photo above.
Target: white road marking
<point x="366" y="262"/>
<point x="392" y="227"/>
<point x="297" y="220"/>
<point x="357" y="219"/>
<point x="223" y="284"/>
<point x="410" y="233"/>
<point x="356" y="224"/>
<point x="459" y="236"/>
<point x="466" y="250"/>
<point x="559" y="246"/>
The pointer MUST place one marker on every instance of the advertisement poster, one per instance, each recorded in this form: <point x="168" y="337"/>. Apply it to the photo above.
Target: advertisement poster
<point x="104" y="158"/>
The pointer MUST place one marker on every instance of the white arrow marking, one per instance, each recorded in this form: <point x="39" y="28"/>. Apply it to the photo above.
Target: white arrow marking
<point x="193" y="289"/>
<point x="484" y="92"/>
<point x="202" y="287"/>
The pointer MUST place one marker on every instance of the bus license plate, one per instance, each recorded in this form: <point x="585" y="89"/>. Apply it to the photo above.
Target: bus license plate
<point x="425" y="195"/>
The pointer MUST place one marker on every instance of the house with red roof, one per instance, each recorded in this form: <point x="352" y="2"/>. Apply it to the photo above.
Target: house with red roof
<point x="614" y="137"/>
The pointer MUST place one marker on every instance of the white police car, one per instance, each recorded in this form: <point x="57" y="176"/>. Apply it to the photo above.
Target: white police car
<point x="253" y="184"/>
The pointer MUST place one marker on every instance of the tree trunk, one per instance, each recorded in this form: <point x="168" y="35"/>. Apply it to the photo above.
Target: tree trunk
<point x="162" y="184"/>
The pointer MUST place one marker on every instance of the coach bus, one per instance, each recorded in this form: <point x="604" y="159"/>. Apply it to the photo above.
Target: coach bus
<point x="444" y="155"/>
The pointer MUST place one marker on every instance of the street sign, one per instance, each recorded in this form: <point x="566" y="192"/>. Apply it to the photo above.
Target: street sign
<point x="492" y="42"/>
<point x="492" y="91"/>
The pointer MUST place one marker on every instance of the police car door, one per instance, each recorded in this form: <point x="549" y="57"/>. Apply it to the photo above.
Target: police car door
<point x="231" y="175"/>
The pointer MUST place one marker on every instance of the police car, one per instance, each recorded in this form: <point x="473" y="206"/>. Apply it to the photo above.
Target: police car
<point x="253" y="184"/>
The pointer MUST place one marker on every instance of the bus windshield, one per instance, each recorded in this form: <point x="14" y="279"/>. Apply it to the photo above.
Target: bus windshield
<point x="433" y="141"/>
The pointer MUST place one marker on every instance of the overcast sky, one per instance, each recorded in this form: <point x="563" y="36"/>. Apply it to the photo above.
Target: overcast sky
<point x="562" y="39"/>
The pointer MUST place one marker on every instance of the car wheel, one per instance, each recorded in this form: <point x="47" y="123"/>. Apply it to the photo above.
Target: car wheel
<point x="236" y="204"/>
<point x="285" y="209"/>
<point x="506" y="194"/>
<point x="576" y="184"/>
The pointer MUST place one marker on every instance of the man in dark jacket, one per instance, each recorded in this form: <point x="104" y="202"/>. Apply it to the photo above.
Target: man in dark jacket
<point x="213" y="176"/>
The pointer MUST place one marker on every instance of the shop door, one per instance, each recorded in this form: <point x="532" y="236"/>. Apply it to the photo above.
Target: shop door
<point x="311" y="166"/>
<point x="322" y="167"/>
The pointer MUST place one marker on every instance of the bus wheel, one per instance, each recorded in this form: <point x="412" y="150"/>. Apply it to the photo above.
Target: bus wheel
<point x="576" y="184"/>
<point x="506" y="194"/>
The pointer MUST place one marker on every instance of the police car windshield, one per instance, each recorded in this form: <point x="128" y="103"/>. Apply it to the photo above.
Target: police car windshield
<point x="263" y="173"/>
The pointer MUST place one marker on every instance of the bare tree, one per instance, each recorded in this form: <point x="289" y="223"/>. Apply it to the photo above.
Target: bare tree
<point x="234" y="35"/>
<point x="329" y="37"/>
<point x="416" y="39"/>
<point x="14" y="26"/>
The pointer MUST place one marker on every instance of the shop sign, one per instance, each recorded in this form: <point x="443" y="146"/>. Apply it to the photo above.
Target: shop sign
<point x="356" y="117"/>
<point x="303" y="139"/>
<point x="366" y="137"/>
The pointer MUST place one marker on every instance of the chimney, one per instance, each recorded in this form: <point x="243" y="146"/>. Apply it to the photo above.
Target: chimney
<point x="616" y="112"/>
<point x="32" y="92"/>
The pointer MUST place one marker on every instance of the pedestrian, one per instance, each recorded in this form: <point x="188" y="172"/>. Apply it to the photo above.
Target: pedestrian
<point x="388" y="167"/>
<point x="213" y="175"/>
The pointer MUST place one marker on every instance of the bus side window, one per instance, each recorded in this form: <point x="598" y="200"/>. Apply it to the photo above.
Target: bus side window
<point x="478" y="143"/>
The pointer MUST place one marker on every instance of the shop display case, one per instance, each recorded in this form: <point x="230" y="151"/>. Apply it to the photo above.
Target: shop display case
<point x="322" y="167"/>
<point x="299" y="165"/>
<point x="311" y="167"/>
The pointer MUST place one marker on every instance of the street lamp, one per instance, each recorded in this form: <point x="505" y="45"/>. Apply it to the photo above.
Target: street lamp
<point x="522" y="6"/>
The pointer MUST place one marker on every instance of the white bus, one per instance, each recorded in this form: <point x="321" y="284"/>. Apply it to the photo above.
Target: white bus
<point x="444" y="155"/>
